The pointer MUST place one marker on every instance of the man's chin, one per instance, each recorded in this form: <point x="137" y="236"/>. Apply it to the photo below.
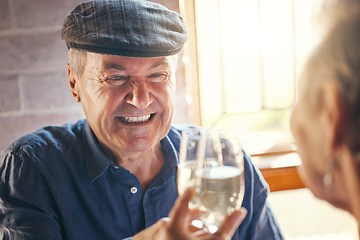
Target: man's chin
<point x="138" y="144"/>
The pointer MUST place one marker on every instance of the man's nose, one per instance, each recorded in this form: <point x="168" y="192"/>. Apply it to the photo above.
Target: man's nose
<point x="140" y="95"/>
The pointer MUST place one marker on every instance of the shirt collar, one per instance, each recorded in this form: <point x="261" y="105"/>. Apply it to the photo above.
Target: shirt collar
<point x="170" y="162"/>
<point x="96" y="161"/>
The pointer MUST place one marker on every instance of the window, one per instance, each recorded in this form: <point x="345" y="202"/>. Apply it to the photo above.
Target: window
<point x="243" y="61"/>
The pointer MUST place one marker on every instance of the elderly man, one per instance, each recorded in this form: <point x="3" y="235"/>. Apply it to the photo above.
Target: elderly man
<point x="113" y="174"/>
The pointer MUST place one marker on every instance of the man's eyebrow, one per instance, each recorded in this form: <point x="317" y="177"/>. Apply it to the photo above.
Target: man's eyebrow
<point x="161" y="62"/>
<point x="108" y="66"/>
<point x="113" y="66"/>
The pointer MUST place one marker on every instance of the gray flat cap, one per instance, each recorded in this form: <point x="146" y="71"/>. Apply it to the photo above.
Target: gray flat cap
<point x="135" y="28"/>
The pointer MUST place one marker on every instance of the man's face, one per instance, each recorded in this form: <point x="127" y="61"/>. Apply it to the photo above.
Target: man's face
<point x="128" y="102"/>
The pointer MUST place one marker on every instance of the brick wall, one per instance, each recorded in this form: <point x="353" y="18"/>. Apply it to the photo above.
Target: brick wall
<point x="34" y="90"/>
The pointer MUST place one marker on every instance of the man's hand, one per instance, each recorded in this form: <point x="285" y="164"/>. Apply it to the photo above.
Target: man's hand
<point x="178" y="226"/>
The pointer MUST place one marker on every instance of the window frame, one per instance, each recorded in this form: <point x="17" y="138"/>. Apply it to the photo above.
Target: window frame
<point x="283" y="175"/>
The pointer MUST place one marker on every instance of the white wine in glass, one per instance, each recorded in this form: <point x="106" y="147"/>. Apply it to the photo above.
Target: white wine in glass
<point x="212" y="162"/>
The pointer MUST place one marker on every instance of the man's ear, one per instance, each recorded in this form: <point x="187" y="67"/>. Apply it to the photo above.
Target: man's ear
<point x="72" y="82"/>
<point x="333" y="117"/>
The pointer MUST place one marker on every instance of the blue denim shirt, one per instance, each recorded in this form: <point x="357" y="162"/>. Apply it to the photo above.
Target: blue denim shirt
<point x="57" y="184"/>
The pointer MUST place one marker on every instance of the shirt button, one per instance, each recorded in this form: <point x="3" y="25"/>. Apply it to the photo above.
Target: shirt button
<point x="116" y="167"/>
<point x="133" y="190"/>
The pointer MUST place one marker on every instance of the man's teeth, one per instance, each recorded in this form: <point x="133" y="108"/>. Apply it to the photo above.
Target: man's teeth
<point x="136" y="119"/>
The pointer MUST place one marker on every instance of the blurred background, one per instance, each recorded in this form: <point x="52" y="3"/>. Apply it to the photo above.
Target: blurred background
<point x="239" y="71"/>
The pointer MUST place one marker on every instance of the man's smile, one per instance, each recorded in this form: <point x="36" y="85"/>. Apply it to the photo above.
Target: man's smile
<point x="137" y="119"/>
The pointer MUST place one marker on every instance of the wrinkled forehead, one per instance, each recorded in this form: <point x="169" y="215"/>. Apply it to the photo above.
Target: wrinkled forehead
<point x="116" y="62"/>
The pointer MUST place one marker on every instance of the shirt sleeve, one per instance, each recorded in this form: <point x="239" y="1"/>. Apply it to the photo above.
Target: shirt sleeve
<point x="26" y="205"/>
<point x="260" y="222"/>
<point x="264" y="221"/>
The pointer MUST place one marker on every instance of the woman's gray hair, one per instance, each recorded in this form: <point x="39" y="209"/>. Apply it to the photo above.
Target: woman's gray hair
<point x="337" y="59"/>
<point x="77" y="61"/>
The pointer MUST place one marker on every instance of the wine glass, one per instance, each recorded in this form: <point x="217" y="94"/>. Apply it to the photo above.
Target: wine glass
<point x="212" y="161"/>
